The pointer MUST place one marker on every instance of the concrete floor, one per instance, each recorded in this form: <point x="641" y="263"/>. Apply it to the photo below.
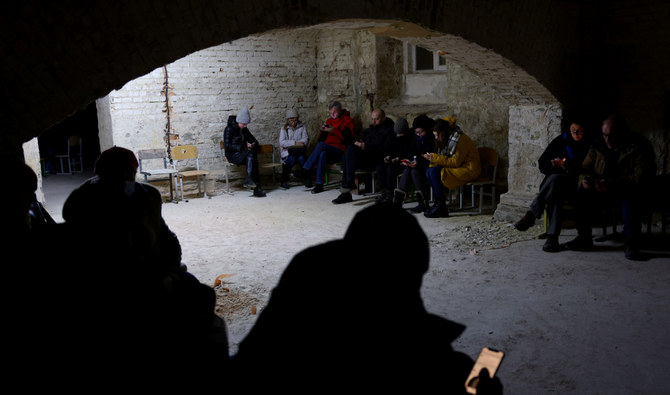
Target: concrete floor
<point x="577" y="323"/>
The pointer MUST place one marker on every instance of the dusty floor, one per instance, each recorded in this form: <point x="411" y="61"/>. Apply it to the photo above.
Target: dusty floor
<point x="569" y="322"/>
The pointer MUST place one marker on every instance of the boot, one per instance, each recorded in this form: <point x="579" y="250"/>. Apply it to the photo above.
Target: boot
<point x="249" y="181"/>
<point x="385" y="196"/>
<point x="398" y="197"/>
<point x="286" y="169"/>
<point x="422" y="206"/>
<point x="258" y="191"/>
<point x="526" y="222"/>
<point x="551" y="244"/>
<point x="344" y="197"/>
<point x="439" y="210"/>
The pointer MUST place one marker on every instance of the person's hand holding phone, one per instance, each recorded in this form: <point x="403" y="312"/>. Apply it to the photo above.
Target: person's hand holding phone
<point x="488" y="385"/>
<point x="481" y="379"/>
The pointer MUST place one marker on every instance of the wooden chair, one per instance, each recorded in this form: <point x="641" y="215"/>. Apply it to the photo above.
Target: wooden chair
<point x="155" y="156"/>
<point x="188" y="152"/>
<point x="489" y="161"/>
<point x="274" y="164"/>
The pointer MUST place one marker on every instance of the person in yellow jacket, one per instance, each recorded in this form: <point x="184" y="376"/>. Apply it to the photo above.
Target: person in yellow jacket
<point x="455" y="163"/>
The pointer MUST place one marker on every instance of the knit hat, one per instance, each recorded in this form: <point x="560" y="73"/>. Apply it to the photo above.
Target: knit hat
<point x="243" y="116"/>
<point x="423" y="122"/>
<point x="291" y="113"/>
<point x="401" y="126"/>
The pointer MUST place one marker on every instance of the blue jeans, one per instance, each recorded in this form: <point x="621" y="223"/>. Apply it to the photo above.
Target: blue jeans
<point x="322" y="155"/>
<point x="291" y="160"/>
<point x="435" y="180"/>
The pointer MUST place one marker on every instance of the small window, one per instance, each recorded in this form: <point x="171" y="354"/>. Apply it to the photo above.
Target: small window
<point x="423" y="60"/>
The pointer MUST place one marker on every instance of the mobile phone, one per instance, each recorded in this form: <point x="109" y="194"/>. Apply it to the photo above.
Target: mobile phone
<point x="489" y="359"/>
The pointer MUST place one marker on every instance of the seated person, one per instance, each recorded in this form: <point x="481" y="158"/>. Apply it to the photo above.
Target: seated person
<point x="414" y="171"/>
<point x="561" y="164"/>
<point x="127" y="264"/>
<point x="455" y="163"/>
<point x="241" y="149"/>
<point x="293" y="139"/>
<point x="394" y="161"/>
<point x="316" y="329"/>
<point x="619" y="169"/>
<point x="336" y="134"/>
<point x="366" y="153"/>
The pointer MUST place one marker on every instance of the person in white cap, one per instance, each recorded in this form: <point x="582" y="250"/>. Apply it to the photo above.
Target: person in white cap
<point x="293" y="140"/>
<point x="241" y="149"/>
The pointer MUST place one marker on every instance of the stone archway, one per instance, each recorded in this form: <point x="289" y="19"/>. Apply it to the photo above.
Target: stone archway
<point x="483" y="80"/>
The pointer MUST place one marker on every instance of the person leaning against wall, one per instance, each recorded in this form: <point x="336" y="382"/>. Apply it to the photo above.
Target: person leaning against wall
<point x="241" y="149"/>
<point x="455" y="163"/>
<point x="293" y="139"/>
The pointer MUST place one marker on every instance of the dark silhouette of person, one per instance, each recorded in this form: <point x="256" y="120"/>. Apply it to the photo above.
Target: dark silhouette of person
<point x="348" y="314"/>
<point x="124" y="306"/>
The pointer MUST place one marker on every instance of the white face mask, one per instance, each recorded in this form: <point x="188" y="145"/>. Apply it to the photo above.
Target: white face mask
<point x="128" y="187"/>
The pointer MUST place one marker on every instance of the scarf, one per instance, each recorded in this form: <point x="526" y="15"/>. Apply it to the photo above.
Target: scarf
<point x="453" y="141"/>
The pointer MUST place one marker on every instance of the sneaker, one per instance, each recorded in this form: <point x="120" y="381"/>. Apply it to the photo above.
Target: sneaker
<point x="284" y="185"/>
<point x="437" y="211"/>
<point x="308" y="183"/>
<point x="258" y="192"/>
<point x="551" y="244"/>
<point x="317" y="188"/>
<point x="526" y="222"/>
<point x="249" y="184"/>
<point x="344" y="197"/>
<point x="580" y="243"/>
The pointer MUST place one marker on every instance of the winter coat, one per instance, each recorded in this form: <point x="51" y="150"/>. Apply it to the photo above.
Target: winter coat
<point x="401" y="147"/>
<point x="343" y="131"/>
<point x="461" y="167"/>
<point x="235" y="141"/>
<point x="289" y="137"/>
<point x="633" y="165"/>
<point x="563" y="146"/>
<point x="419" y="147"/>
<point x="378" y="140"/>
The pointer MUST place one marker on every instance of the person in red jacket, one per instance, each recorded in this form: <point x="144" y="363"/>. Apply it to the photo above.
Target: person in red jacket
<point x="336" y="134"/>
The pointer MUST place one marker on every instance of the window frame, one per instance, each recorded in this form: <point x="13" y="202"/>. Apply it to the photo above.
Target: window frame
<point x="410" y="64"/>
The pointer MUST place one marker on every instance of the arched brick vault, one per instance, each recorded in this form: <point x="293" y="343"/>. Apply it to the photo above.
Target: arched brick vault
<point x="60" y="56"/>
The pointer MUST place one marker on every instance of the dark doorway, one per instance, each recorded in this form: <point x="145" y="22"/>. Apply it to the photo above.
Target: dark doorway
<point x="54" y="141"/>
